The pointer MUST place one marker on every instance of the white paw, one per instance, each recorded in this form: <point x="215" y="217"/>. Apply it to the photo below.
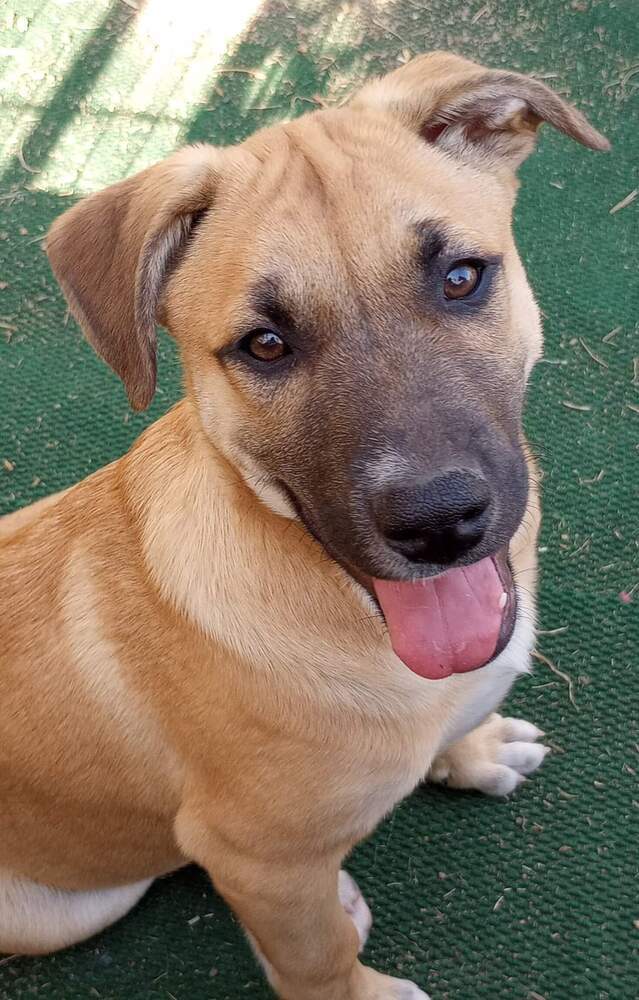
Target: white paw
<point x="355" y="905"/>
<point x="495" y="758"/>
<point x="514" y="754"/>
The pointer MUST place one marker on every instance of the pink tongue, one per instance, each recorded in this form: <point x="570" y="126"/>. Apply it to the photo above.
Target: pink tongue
<point x="447" y="624"/>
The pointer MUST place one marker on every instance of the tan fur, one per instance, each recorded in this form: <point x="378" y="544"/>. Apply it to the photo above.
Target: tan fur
<point x="185" y="674"/>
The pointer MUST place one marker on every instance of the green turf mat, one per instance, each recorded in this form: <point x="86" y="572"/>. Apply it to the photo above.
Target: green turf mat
<point x="535" y="898"/>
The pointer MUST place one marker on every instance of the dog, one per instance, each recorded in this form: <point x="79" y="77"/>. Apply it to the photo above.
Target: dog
<point x="309" y="585"/>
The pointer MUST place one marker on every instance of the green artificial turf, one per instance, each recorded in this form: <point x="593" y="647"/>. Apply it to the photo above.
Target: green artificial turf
<point x="536" y="897"/>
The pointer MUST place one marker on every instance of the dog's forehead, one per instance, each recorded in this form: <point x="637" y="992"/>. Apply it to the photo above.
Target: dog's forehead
<point x="329" y="210"/>
<point x="365" y="181"/>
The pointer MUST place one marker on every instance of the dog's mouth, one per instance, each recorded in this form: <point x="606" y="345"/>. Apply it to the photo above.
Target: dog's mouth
<point x="451" y="623"/>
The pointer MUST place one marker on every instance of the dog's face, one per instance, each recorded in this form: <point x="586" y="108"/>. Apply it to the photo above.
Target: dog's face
<point x="355" y="323"/>
<point x="357" y="331"/>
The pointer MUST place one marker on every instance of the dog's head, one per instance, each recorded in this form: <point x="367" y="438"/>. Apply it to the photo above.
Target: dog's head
<point x="355" y="323"/>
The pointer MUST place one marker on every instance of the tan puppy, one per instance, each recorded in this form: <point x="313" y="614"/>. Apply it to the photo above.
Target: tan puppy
<point x="242" y="643"/>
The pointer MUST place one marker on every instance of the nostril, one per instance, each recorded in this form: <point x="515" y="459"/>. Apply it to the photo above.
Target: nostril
<point x="405" y="534"/>
<point x="418" y="521"/>
<point x="475" y="512"/>
<point x="467" y="526"/>
<point x="467" y="533"/>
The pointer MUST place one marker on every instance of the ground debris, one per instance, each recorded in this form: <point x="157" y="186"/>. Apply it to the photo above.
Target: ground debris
<point x="560" y="673"/>
<point x="593" y="480"/>
<point x="575" y="406"/>
<point x="624" y="201"/>
<point x="480" y="13"/>
<point x="591" y="354"/>
<point x="611" y="334"/>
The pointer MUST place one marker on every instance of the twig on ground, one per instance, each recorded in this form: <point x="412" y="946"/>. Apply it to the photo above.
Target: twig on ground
<point x="25" y="165"/>
<point x="480" y="13"/>
<point x="560" y="673"/>
<point x="613" y="333"/>
<point x="593" y="480"/>
<point x="624" y="202"/>
<point x="575" y="406"/>
<point x="591" y="354"/>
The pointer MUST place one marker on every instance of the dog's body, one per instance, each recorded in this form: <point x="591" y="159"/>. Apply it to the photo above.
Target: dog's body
<point x="186" y="674"/>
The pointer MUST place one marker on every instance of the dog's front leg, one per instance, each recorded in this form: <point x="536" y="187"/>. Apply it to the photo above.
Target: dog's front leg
<point x="305" y="919"/>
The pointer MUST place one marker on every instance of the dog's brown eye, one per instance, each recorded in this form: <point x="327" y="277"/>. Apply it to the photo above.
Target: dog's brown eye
<point x="462" y="280"/>
<point x="265" y="345"/>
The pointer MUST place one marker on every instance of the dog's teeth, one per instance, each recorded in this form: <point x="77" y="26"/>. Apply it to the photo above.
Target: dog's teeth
<point x="503" y="600"/>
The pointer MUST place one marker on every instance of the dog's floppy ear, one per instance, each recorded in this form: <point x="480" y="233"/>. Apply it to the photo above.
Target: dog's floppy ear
<point x="489" y="117"/>
<point x="113" y="252"/>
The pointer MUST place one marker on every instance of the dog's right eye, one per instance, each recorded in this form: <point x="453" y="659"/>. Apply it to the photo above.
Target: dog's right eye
<point x="463" y="279"/>
<point x="264" y="345"/>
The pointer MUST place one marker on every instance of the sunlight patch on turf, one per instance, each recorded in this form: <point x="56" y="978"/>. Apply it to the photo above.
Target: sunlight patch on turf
<point x="137" y="110"/>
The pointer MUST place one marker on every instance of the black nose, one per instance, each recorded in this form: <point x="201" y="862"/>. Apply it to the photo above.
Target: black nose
<point x="437" y="520"/>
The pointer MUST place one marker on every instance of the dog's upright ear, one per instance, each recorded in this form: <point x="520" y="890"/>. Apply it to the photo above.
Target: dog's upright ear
<point x="488" y="117"/>
<point x="113" y="252"/>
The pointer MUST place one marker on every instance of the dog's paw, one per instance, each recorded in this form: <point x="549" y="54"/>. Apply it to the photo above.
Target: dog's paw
<point x="494" y="758"/>
<point x="355" y="905"/>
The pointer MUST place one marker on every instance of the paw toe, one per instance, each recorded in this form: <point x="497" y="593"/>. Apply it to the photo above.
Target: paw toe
<point x="499" y="779"/>
<point x="523" y="757"/>
<point x="514" y="730"/>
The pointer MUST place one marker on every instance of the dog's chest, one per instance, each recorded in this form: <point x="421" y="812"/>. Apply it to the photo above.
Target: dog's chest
<point x="366" y="785"/>
<point x="423" y="719"/>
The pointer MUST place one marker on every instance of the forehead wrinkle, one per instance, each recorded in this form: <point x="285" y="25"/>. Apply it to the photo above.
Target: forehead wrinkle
<point x="309" y="202"/>
<point x="338" y="157"/>
<point x="322" y="153"/>
<point x="271" y="154"/>
<point x="311" y="178"/>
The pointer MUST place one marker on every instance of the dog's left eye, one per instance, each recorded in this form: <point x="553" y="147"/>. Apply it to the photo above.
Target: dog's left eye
<point x="462" y="279"/>
<point x="264" y="345"/>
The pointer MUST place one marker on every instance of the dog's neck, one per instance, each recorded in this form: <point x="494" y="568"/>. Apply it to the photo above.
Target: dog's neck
<point x="198" y="520"/>
<point x="237" y="571"/>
